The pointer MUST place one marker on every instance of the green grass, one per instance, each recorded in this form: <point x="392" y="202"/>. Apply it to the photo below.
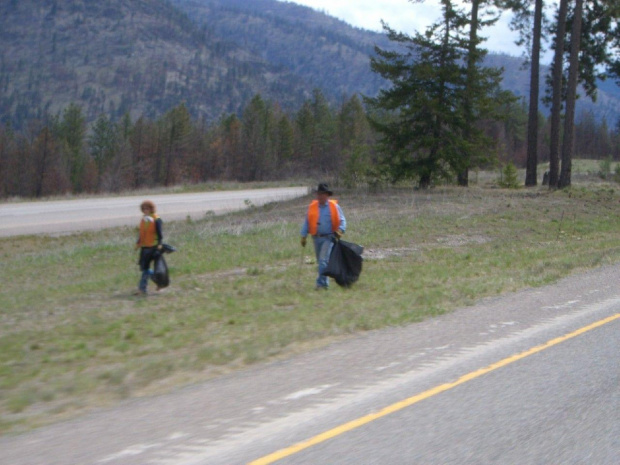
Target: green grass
<point x="72" y="337"/>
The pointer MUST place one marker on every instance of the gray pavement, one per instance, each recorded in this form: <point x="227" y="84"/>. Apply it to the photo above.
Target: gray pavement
<point x="67" y="216"/>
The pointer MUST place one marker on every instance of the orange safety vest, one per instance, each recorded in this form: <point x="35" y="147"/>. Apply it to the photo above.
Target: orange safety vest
<point x="148" y="231"/>
<point x="313" y="216"/>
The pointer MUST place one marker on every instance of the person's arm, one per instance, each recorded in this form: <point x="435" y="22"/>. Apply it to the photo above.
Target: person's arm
<point x="343" y="220"/>
<point x="137" y="246"/>
<point x="159" y="229"/>
<point x="304" y="232"/>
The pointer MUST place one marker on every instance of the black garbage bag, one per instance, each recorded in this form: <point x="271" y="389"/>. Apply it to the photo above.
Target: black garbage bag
<point x="160" y="268"/>
<point x="167" y="248"/>
<point x="345" y="263"/>
<point x="160" y="271"/>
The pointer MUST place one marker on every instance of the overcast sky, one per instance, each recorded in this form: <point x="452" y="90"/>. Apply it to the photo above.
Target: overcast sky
<point x="407" y="17"/>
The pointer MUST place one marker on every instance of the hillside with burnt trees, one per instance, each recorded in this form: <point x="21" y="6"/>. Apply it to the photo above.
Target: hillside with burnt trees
<point x="116" y="56"/>
<point x="109" y="95"/>
<point x="146" y="57"/>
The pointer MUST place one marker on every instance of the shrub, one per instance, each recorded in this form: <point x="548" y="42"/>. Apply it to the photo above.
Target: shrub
<point x="509" y="178"/>
<point x="605" y="168"/>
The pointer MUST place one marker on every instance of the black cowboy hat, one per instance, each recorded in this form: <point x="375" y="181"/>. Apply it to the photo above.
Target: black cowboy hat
<point x="323" y="188"/>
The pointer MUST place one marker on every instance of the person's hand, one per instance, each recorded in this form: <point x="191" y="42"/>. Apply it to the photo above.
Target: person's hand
<point x="159" y="247"/>
<point x="136" y="246"/>
<point x="303" y="241"/>
<point x="338" y="233"/>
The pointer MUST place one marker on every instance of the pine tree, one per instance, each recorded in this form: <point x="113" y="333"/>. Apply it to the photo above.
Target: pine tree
<point x="323" y="134"/>
<point x="483" y="99"/>
<point x="72" y="132"/>
<point x="103" y="145"/>
<point x="427" y="117"/>
<point x="285" y="141"/>
<point x="593" y="48"/>
<point x="355" y="141"/>
<point x="571" y="96"/>
<point x="256" y="144"/>
<point x="175" y="127"/>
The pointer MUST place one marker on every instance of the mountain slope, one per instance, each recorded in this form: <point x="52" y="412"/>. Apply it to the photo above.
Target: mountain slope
<point x="147" y="56"/>
<point x="334" y="56"/>
<point x="328" y="53"/>
<point x="112" y="56"/>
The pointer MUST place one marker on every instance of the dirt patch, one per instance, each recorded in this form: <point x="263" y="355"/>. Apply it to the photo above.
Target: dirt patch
<point x="450" y="241"/>
<point x="461" y="239"/>
<point x="381" y="254"/>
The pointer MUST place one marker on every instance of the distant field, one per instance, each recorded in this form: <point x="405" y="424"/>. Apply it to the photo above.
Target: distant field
<point x="73" y="338"/>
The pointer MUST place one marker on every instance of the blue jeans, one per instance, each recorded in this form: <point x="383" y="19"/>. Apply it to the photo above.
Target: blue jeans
<point x="146" y="257"/>
<point x="323" y="248"/>
<point x="144" y="280"/>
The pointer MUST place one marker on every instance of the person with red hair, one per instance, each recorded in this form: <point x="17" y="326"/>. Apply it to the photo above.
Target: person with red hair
<point x="149" y="240"/>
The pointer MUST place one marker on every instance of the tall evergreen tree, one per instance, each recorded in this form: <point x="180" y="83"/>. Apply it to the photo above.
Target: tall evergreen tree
<point x="482" y="98"/>
<point x="355" y="140"/>
<point x="571" y="96"/>
<point x="529" y="24"/>
<point x="72" y="131"/>
<point x="256" y="140"/>
<point x="420" y="133"/>
<point x="231" y="146"/>
<point x="285" y="145"/>
<point x="42" y="159"/>
<point x="324" y="133"/>
<point x="436" y="87"/>
<point x="593" y="45"/>
<point x="176" y="127"/>
<point x="104" y="145"/>
<point x="557" y="91"/>
<point x="304" y="136"/>
<point x="316" y="135"/>
<point x="143" y="142"/>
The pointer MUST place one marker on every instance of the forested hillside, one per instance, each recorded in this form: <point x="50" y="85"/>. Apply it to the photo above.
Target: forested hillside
<point x="145" y="57"/>
<point x="116" y="56"/>
<point x="328" y="53"/>
<point x="111" y="95"/>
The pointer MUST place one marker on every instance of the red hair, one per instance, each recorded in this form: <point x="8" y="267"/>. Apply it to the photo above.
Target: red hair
<point x="148" y="203"/>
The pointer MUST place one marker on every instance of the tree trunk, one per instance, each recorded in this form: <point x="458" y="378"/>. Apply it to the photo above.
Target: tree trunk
<point x="532" y="122"/>
<point x="463" y="174"/>
<point x="556" y="107"/>
<point x="571" y="96"/>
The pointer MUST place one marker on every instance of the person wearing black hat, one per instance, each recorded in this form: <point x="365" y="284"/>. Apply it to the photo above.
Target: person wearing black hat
<point x="325" y="222"/>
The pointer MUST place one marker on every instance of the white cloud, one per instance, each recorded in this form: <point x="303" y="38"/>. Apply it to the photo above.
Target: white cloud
<point x="407" y="17"/>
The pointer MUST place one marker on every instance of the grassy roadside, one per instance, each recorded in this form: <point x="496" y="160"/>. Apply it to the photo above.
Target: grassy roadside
<point x="72" y="337"/>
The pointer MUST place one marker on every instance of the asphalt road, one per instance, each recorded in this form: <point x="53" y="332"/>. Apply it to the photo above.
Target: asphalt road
<point x="66" y="216"/>
<point x="527" y="378"/>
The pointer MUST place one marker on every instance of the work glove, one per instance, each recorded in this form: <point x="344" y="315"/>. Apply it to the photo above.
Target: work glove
<point x="338" y="234"/>
<point x="303" y="241"/>
<point x="160" y="247"/>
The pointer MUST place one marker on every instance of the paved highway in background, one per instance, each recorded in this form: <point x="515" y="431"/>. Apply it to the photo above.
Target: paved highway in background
<point x="531" y="377"/>
<point x="66" y="216"/>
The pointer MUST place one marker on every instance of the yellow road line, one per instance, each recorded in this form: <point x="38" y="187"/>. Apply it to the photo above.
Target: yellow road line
<point x="337" y="431"/>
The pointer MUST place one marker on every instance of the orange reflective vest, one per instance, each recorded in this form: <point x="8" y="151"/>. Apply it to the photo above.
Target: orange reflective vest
<point x="313" y="216"/>
<point x="148" y="232"/>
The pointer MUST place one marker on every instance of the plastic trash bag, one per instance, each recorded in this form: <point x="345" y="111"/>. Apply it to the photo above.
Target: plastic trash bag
<point x="160" y="268"/>
<point x="167" y="248"/>
<point x="345" y="263"/>
<point x="160" y="271"/>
